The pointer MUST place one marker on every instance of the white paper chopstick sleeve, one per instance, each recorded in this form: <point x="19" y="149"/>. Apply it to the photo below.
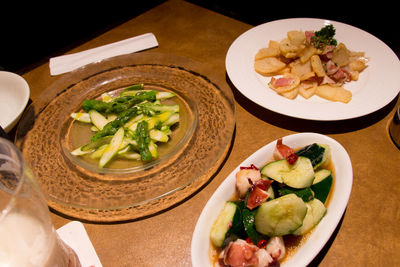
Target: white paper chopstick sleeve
<point x="66" y="63"/>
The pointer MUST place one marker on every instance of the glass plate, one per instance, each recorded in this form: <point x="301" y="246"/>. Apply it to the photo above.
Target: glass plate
<point x="77" y="188"/>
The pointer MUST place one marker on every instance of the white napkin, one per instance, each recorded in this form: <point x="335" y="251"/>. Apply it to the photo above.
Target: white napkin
<point x="66" y="63"/>
<point x="74" y="235"/>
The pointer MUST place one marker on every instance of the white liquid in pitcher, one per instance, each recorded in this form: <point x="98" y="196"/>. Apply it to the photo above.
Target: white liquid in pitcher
<point x="24" y="241"/>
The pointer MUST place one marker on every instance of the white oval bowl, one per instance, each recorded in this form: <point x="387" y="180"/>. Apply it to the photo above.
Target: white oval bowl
<point x="14" y="96"/>
<point x="200" y="245"/>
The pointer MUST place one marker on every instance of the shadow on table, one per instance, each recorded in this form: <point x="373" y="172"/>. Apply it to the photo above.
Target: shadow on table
<point x="303" y="125"/>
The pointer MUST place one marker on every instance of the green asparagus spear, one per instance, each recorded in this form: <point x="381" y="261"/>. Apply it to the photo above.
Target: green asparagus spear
<point x="143" y="140"/>
<point x="119" y="104"/>
<point x="112" y="127"/>
<point x="135" y="87"/>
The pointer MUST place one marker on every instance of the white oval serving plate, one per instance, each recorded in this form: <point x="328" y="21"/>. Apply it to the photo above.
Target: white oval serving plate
<point x="200" y="245"/>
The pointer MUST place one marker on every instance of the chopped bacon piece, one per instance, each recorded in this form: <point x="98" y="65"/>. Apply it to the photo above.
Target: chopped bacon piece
<point x="309" y="35"/>
<point x="331" y="67"/>
<point x="328" y="49"/>
<point x="342" y="75"/>
<point x="280" y="82"/>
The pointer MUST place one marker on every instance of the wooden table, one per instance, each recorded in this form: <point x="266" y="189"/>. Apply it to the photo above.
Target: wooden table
<point x="369" y="231"/>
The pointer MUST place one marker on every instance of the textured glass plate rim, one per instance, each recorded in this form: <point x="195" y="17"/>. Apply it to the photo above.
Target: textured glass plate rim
<point x="200" y="244"/>
<point x="105" y="170"/>
<point x="382" y="72"/>
<point x="144" y="208"/>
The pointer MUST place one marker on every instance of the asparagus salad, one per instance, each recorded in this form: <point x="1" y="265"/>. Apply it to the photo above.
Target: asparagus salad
<point x="128" y="126"/>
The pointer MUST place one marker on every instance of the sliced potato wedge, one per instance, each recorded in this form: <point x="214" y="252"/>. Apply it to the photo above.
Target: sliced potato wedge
<point x="268" y="66"/>
<point x="292" y="94"/>
<point x="303" y="70"/>
<point x="267" y="52"/>
<point x="334" y="93"/>
<point x="316" y="65"/>
<point x="288" y="49"/>
<point x="307" y="89"/>
<point x="297" y="38"/>
<point x="341" y="56"/>
<point x="306" y="53"/>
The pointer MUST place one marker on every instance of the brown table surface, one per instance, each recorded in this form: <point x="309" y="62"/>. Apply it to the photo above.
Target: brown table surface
<point x="369" y="231"/>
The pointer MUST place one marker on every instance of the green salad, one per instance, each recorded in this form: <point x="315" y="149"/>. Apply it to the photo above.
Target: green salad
<point x="127" y="126"/>
<point x="285" y="197"/>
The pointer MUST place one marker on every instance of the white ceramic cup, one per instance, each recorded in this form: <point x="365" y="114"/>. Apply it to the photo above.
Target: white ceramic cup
<point x="14" y="96"/>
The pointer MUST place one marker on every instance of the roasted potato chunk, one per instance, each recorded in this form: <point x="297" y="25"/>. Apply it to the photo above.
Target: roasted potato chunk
<point x="307" y="52"/>
<point x="316" y="65"/>
<point x="303" y="70"/>
<point x="307" y="89"/>
<point x="288" y="49"/>
<point x="296" y="38"/>
<point x="292" y="94"/>
<point x="341" y="56"/>
<point x="268" y="66"/>
<point x="334" y="93"/>
<point x="267" y="52"/>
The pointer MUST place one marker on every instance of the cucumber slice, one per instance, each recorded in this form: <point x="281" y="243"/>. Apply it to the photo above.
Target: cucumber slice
<point x="280" y="216"/>
<point x="271" y="193"/>
<point x="318" y="210"/>
<point x="315" y="212"/>
<point x="97" y="119"/>
<point x="305" y="194"/>
<point x="298" y="175"/>
<point x="308" y="222"/>
<point x="322" y="184"/>
<point x="274" y="169"/>
<point x="319" y="154"/>
<point x="222" y="224"/>
<point x="112" y="148"/>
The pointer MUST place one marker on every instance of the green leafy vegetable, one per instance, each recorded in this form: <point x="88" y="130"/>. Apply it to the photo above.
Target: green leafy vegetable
<point x="324" y="37"/>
